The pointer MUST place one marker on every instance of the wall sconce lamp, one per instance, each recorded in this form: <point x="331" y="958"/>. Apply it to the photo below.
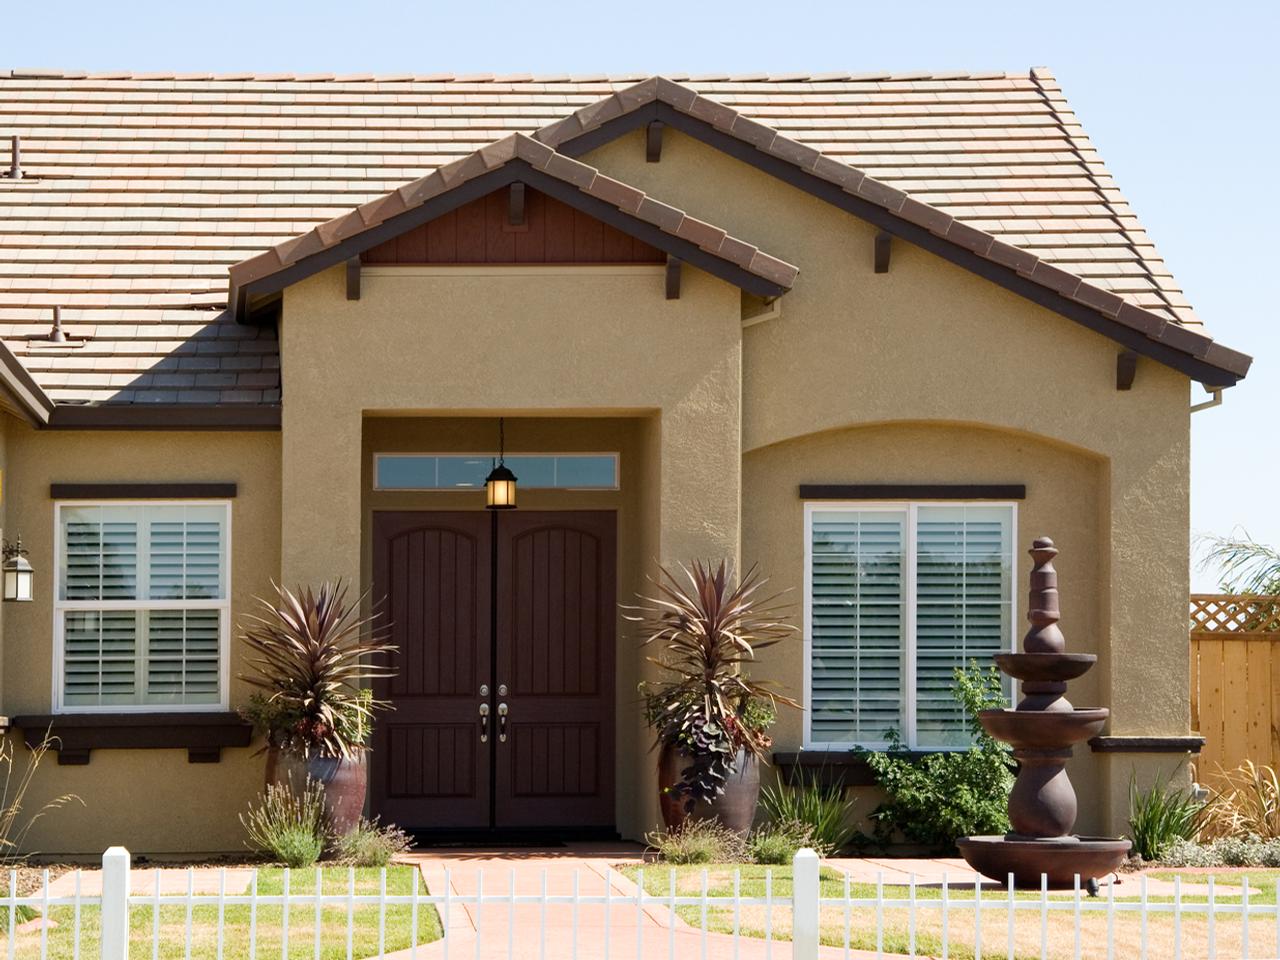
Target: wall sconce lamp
<point x="18" y="575"/>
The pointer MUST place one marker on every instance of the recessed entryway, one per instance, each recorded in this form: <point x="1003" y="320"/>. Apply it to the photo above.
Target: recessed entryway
<point x="504" y="697"/>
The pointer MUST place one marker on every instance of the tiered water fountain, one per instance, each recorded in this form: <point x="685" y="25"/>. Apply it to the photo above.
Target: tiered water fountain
<point x="1042" y="730"/>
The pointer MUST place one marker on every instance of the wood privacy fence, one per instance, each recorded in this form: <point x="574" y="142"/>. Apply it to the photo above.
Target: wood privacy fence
<point x="1235" y="680"/>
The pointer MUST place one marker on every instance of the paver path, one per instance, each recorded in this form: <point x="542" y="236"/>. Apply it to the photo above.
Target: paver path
<point x="561" y="931"/>
<point x="173" y="881"/>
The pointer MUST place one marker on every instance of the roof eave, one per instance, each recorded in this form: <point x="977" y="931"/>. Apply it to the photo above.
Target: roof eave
<point x="1200" y="357"/>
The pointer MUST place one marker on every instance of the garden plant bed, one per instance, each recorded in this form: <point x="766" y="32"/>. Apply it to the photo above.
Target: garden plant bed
<point x="269" y="920"/>
<point x="1127" y="929"/>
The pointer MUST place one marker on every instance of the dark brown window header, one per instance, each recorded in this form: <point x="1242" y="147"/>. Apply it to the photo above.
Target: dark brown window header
<point x="913" y="491"/>
<point x="142" y="491"/>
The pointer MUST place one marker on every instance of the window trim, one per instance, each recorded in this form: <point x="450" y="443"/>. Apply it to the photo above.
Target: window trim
<point x="615" y="455"/>
<point x="911" y="508"/>
<point x="60" y="606"/>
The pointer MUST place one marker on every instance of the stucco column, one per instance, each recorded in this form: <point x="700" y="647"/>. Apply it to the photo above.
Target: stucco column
<point x="1147" y="662"/>
<point x="320" y="494"/>
<point x="701" y="467"/>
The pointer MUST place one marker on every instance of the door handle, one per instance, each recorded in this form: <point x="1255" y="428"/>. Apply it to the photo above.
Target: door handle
<point x="502" y="723"/>
<point x="484" y="723"/>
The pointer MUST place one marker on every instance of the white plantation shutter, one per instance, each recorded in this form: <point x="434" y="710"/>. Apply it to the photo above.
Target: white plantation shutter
<point x="926" y="585"/>
<point x="182" y="656"/>
<point x="857" y="614"/>
<point x="100" y="665"/>
<point x="142" y="600"/>
<point x="185" y="559"/>
<point x="962" y="608"/>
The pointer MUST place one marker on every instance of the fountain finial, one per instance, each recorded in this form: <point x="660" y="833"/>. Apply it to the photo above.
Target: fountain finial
<point x="1042" y="601"/>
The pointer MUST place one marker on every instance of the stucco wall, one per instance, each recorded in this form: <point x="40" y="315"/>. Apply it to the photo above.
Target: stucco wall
<point x="931" y="343"/>
<point x="152" y="801"/>
<point x="538" y="345"/>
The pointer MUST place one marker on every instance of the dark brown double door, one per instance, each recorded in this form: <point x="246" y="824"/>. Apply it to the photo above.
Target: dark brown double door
<point x="504" y="624"/>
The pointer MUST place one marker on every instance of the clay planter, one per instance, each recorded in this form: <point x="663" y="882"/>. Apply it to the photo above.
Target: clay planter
<point x="344" y="781"/>
<point x="735" y="808"/>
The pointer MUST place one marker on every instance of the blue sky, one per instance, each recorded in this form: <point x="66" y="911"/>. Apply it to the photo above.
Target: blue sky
<point x="1178" y="98"/>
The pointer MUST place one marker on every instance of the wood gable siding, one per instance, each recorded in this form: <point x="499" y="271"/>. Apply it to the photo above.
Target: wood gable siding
<point x="479" y="232"/>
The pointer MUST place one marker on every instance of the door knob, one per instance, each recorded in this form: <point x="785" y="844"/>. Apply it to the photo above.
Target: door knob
<point x="502" y="723"/>
<point x="484" y="723"/>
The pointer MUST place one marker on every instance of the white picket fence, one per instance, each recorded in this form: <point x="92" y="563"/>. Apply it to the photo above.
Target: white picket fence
<point x="899" y="919"/>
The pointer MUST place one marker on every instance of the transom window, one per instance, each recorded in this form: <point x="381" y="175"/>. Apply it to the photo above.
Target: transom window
<point x="141" y="605"/>
<point x="466" y="471"/>
<point x="897" y="596"/>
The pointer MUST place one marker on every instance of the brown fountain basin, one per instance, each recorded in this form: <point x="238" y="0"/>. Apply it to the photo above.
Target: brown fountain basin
<point x="1060" y="859"/>
<point x="1045" y="666"/>
<point x="1036" y="730"/>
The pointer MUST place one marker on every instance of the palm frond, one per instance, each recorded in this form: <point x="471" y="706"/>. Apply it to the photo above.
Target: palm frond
<point x="1247" y="566"/>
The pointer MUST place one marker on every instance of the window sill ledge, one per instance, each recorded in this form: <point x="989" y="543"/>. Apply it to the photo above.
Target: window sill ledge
<point x="833" y="767"/>
<point x="202" y="735"/>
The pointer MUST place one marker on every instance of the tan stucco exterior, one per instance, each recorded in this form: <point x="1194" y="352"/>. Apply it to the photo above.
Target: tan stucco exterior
<point x="926" y="374"/>
<point x="151" y="800"/>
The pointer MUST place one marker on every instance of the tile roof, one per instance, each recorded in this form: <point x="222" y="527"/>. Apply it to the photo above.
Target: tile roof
<point x="142" y="190"/>
<point x="583" y="180"/>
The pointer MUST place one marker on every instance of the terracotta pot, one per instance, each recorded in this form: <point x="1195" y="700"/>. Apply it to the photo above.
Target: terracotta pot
<point x="735" y="808"/>
<point x="344" y="781"/>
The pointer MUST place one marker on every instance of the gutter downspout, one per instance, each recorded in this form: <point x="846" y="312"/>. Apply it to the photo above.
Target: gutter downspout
<point x="1215" y="400"/>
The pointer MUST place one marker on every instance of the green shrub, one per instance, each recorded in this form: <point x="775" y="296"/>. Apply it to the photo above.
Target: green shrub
<point x="1160" y="815"/>
<point x="945" y="796"/>
<point x="372" y="845"/>
<point x="823" y="808"/>
<point x="293" y="829"/>
<point x="778" y="843"/>
<point x="698" y="841"/>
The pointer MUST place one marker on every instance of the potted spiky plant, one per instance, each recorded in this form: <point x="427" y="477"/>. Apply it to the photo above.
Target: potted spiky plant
<point x="709" y="717"/>
<point x="313" y="656"/>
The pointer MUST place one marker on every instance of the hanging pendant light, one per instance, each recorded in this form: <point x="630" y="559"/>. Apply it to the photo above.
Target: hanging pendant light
<point x="500" y="485"/>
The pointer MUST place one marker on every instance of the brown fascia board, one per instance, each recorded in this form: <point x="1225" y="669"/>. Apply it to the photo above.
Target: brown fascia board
<point x="165" y="416"/>
<point x="28" y="396"/>
<point x="577" y="185"/>
<point x="1188" y="351"/>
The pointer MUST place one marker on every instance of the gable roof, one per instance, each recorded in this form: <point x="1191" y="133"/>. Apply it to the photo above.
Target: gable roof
<point x="144" y="189"/>
<point x="516" y="158"/>
<point x="1144" y="330"/>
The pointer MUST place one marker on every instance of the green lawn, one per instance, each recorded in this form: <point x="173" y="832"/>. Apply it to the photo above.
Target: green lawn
<point x="961" y="925"/>
<point x="269" y="924"/>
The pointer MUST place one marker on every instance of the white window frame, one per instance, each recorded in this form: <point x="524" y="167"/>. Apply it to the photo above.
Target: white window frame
<point x="493" y="455"/>
<point x="60" y="606"/>
<point x="911" y="510"/>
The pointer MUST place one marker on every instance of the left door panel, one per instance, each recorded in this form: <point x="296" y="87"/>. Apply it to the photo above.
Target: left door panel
<point x="429" y="767"/>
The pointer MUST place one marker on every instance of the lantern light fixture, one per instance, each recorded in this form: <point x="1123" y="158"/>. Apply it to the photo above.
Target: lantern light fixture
<point x="18" y="575"/>
<point x="500" y="485"/>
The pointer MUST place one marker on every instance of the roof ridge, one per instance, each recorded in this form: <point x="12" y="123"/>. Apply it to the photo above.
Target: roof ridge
<point x="836" y="76"/>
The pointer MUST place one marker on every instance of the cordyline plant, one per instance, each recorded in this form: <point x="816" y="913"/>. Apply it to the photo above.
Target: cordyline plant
<point x="709" y="628"/>
<point x="312" y="653"/>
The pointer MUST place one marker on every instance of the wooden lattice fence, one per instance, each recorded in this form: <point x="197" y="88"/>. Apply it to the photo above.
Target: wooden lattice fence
<point x="1235" y="680"/>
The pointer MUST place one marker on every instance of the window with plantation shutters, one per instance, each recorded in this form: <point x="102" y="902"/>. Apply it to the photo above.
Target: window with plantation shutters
<point x="141" y="608"/>
<point x="897" y="597"/>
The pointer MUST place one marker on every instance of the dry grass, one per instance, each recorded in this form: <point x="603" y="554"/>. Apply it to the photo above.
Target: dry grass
<point x="269" y="926"/>
<point x="1127" y="929"/>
